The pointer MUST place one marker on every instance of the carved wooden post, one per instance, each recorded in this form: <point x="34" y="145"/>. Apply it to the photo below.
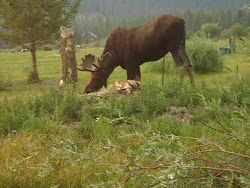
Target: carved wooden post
<point x="68" y="55"/>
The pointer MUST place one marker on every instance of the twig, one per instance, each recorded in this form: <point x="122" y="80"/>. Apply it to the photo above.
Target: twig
<point x="235" y="137"/>
<point x="202" y="140"/>
<point x="191" y="182"/>
<point x="219" y="174"/>
<point x="223" y="164"/>
<point x="223" y="127"/>
<point x="181" y="137"/>
<point x="228" y="152"/>
<point x="134" y="174"/>
<point x="213" y="128"/>
<point x="232" y="179"/>
<point x="114" y="147"/>
<point x="222" y="179"/>
<point x="212" y="168"/>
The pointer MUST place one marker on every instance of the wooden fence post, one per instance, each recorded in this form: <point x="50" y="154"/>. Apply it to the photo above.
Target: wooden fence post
<point x="233" y="44"/>
<point x="68" y="56"/>
<point x="230" y="44"/>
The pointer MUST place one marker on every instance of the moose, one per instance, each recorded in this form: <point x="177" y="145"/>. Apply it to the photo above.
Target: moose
<point x="131" y="47"/>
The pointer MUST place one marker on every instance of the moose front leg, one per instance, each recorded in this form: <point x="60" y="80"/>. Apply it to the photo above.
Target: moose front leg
<point x="134" y="73"/>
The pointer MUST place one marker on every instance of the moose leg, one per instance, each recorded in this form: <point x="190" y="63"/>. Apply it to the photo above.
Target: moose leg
<point x="188" y="63"/>
<point x="180" y="63"/>
<point x="134" y="73"/>
<point x="138" y="74"/>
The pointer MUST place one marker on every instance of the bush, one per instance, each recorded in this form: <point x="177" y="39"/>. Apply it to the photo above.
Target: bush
<point x="211" y="30"/>
<point x="204" y="55"/>
<point x="237" y="30"/>
<point x="225" y="34"/>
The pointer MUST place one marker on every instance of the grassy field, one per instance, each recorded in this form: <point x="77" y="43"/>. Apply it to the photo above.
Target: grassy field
<point x="163" y="136"/>
<point x="15" y="67"/>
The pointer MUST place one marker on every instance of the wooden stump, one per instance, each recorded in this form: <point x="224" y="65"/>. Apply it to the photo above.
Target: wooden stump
<point x="68" y="56"/>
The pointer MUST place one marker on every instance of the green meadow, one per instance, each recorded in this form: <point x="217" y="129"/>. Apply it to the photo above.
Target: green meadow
<point x="163" y="136"/>
<point x="14" y="68"/>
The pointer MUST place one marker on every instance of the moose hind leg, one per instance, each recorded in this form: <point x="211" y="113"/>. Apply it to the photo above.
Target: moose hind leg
<point x="180" y="63"/>
<point x="188" y="63"/>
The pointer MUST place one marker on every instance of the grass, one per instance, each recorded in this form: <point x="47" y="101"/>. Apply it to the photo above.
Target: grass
<point x="14" y="67"/>
<point x="67" y="139"/>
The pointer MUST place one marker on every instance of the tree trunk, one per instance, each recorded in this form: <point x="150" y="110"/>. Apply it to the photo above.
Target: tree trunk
<point x="68" y="55"/>
<point x="34" y="76"/>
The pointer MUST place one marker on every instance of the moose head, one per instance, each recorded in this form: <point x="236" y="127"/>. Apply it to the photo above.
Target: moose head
<point x="99" y="75"/>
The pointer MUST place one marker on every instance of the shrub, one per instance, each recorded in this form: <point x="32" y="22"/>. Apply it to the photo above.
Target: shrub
<point x="225" y="34"/>
<point x="204" y="55"/>
<point x="237" y="30"/>
<point x="211" y="30"/>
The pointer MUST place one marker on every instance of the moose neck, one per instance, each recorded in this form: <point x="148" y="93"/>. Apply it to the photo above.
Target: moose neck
<point x="108" y="67"/>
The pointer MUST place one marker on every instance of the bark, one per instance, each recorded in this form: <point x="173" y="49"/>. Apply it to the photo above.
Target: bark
<point x="34" y="75"/>
<point x="68" y="55"/>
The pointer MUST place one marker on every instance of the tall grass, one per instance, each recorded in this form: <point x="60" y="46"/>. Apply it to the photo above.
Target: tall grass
<point x="18" y="114"/>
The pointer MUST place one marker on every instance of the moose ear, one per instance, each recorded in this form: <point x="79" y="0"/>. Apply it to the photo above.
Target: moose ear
<point x="105" y="58"/>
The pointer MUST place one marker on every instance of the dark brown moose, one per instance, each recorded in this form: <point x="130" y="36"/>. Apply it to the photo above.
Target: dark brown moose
<point x="131" y="47"/>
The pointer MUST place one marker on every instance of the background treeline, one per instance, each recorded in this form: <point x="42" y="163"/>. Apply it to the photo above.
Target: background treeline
<point x="103" y="16"/>
<point x="123" y="8"/>
<point x="102" y="25"/>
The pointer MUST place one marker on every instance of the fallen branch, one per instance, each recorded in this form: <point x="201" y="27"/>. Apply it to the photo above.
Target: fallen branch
<point x="228" y="152"/>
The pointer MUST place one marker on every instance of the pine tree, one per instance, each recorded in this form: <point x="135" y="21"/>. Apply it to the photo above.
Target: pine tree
<point x="228" y="19"/>
<point x="240" y="17"/>
<point x="221" y="18"/>
<point x="34" y="23"/>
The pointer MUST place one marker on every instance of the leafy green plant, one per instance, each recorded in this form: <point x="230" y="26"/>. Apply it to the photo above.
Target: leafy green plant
<point x="237" y="30"/>
<point x="211" y="30"/>
<point x="204" y="55"/>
